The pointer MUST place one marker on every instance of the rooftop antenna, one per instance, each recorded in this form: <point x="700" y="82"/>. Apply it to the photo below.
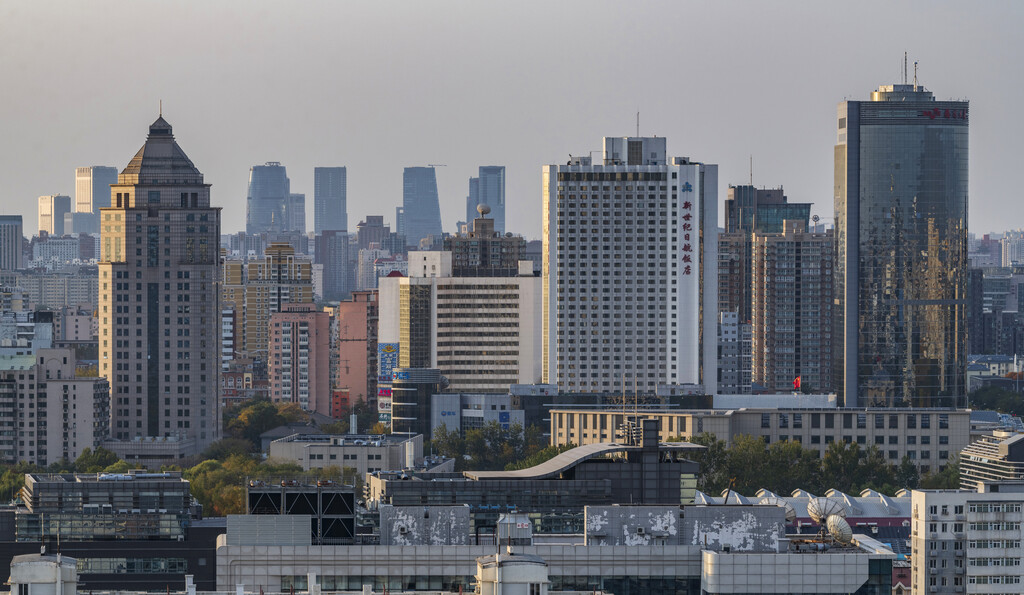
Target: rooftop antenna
<point x="161" y="111"/>
<point x="904" y="68"/>
<point x="915" y="75"/>
<point x="751" y="169"/>
<point x="638" y="124"/>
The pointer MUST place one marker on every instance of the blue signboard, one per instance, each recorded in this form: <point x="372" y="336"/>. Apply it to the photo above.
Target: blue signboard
<point x="503" y="419"/>
<point x="387" y="360"/>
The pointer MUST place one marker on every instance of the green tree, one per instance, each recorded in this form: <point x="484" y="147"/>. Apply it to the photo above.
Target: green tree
<point x="226" y="447"/>
<point x="713" y="460"/>
<point x="907" y="475"/>
<point x="94" y="461"/>
<point x="839" y="465"/>
<point x="539" y="457"/>
<point x="948" y="478"/>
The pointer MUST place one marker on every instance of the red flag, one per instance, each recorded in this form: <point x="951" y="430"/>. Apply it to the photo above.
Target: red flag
<point x="796" y="382"/>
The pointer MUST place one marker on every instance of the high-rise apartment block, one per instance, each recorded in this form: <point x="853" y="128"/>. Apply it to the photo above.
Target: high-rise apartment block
<point x="792" y="309"/>
<point x="269" y="192"/>
<point x="734" y="359"/>
<point x="299" y="360"/>
<point x="260" y="287"/>
<point x="330" y="199"/>
<point x="357" y="345"/>
<point x="901" y="246"/>
<point x="630" y="270"/>
<point x="420" y="215"/>
<point x="484" y="251"/>
<point x="48" y="412"/>
<point x="749" y="210"/>
<point x="488" y="189"/>
<point x="12" y="235"/>
<point x="159" y="305"/>
<point x="52" y="209"/>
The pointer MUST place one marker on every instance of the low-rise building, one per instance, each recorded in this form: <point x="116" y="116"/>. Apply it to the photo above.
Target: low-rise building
<point x="364" y="453"/>
<point x="928" y="437"/>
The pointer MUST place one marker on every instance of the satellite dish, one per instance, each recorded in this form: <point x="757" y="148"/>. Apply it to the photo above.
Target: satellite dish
<point x="776" y="501"/>
<point x="820" y="508"/>
<point x="839" y="529"/>
<point x="483" y="209"/>
<point x="815" y="219"/>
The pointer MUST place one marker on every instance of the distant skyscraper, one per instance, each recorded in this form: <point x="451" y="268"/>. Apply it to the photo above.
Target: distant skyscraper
<point x="92" y="188"/>
<point x="51" y="213"/>
<point x="336" y="253"/>
<point x="492" y="193"/>
<point x="158" y="304"/>
<point x="11" y="237"/>
<point x="483" y="252"/>
<point x="421" y="213"/>
<point x="295" y="213"/>
<point x="637" y="298"/>
<point x="330" y="198"/>
<point x="901" y="246"/>
<point x="472" y="199"/>
<point x="488" y="189"/>
<point x="269" y="189"/>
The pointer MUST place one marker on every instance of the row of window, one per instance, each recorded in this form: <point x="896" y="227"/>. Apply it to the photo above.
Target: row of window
<point x="994" y="507"/>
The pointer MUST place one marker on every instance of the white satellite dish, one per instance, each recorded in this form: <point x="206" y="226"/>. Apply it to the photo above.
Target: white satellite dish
<point x="820" y="508"/>
<point x="776" y="501"/>
<point x="839" y="529"/>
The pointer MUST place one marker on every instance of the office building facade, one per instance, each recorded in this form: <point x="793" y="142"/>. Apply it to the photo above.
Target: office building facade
<point x="92" y="193"/>
<point x="159" y="275"/>
<point x="901" y="248"/>
<point x="12" y="235"/>
<point x="484" y="251"/>
<point x="52" y="209"/>
<point x="269" y="191"/>
<point x="630" y="270"/>
<point x="488" y="188"/>
<point x="330" y="199"/>
<point x="420" y="215"/>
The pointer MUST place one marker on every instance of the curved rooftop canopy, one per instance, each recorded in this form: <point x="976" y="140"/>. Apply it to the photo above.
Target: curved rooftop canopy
<point x="564" y="461"/>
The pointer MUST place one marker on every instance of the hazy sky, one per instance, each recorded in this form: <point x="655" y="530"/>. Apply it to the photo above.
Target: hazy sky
<point x="378" y="86"/>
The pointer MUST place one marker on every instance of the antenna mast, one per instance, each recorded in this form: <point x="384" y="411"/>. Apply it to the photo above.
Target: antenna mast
<point x="915" y="75"/>
<point x="904" y="68"/>
<point x="751" y="169"/>
<point x="638" y="124"/>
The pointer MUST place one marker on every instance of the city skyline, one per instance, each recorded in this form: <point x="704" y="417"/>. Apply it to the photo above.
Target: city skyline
<point x="788" y="130"/>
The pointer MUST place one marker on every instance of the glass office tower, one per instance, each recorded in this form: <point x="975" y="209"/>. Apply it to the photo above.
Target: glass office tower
<point x="901" y="249"/>
<point x="421" y="213"/>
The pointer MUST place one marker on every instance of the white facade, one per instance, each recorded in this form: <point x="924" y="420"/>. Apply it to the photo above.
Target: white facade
<point x="626" y="245"/>
<point x="485" y="333"/>
<point x="968" y="540"/>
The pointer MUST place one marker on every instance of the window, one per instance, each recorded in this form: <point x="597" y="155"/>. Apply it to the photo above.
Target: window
<point x="766" y="420"/>
<point x="830" y="420"/>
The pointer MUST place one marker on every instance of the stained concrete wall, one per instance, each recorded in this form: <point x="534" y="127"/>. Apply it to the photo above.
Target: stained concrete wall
<point x="424" y="525"/>
<point x="740" y="528"/>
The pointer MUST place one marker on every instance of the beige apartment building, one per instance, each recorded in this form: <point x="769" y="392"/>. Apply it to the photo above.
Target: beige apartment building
<point x="258" y="288"/>
<point x="929" y="437"/>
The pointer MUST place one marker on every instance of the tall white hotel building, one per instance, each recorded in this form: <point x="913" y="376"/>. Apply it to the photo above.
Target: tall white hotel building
<point x="630" y="270"/>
